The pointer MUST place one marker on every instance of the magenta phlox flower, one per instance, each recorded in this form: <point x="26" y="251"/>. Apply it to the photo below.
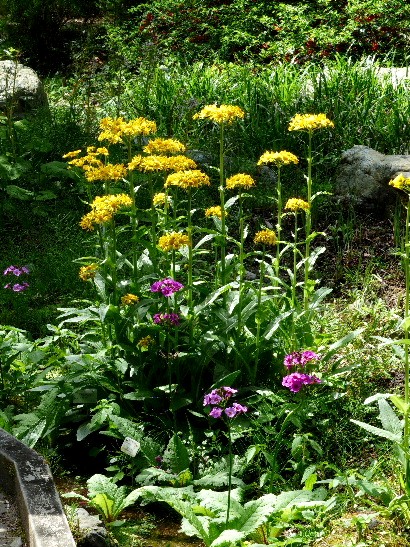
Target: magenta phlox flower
<point x="235" y="409"/>
<point x="220" y="397"/>
<point x="17" y="287"/>
<point x="14" y="270"/>
<point x="297" y="380"/>
<point x="216" y="412"/>
<point x="300" y="358"/>
<point x="166" y="319"/>
<point x="167" y="286"/>
<point x="212" y="398"/>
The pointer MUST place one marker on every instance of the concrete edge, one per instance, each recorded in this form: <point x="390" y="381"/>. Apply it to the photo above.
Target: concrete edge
<point x="25" y="475"/>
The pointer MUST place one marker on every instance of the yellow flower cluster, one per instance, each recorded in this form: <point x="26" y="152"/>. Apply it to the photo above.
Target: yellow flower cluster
<point x="214" y="211"/>
<point x="129" y="299"/>
<point x="173" y="241"/>
<point x="145" y="342"/>
<point x="240" y="181"/>
<point x="103" y="209"/>
<point x="88" y="272"/>
<point x="188" y="179"/>
<point x="401" y="183"/>
<point x="72" y="154"/>
<point x="295" y="204"/>
<point x="164" y="146"/>
<point x="159" y="199"/>
<point x="278" y="158"/>
<point x="266" y="237"/>
<point x="220" y="114"/>
<point x="149" y="164"/>
<point x="114" y="129"/>
<point x="105" y="172"/>
<point x="309" y="122"/>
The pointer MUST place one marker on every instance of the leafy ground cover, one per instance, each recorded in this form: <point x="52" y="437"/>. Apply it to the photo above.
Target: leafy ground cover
<point x="194" y="350"/>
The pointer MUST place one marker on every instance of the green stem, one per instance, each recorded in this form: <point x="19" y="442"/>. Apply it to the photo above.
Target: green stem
<point x="133" y="219"/>
<point x="308" y="225"/>
<point x="222" y="200"/>
<point x="279" y="224"/>
<point x="406" y="350"/>
<point x="190" y="260"/>
<point x="229" y="474"/>
<point x="241" y="259"/>
<point x="295" y="262"/>
<point x="153" y="225"/>
<point x="258" y="315"/>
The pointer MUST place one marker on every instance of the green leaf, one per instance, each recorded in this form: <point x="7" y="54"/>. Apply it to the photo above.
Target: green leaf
<point x="18" y="192"/>
<point x="400" y="404"/>
<point x="176" y="455"/>
<point x="379" y="432"/>
<point x="390" y="421"/>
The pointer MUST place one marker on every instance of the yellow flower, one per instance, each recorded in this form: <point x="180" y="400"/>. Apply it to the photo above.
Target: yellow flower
<point x="88" y="272"/>
<point x="106" y="172"/>
<point x="265" y="237"/>
<point x="220" y="114"/>
<point x="173" y="241"/>
<point x="164" y="146"/>
<point x="145" y="342"/>
<point x="86" y="162"/>
<point x="240" y="181"/>
<point x="113" y="129"/>
<point x="295" y="204"/>
<point x="159" y="199"/>
<point x="309" y="122"/>
<point x="72" y="154"/>
<point x="401" y="183"/>
<point x="160" y="163"/>
<point x="103" y="209"/>
<point x="277" y="158"/>
<point x="180" y="163"/>
<point x="188" y="179"/>
<point x="215" y="211"/>
<point x="129" y="299"/>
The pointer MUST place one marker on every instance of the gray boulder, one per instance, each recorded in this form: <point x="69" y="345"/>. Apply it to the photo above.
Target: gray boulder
<point x="364" y="174"/>
<point x="20" y="89"/>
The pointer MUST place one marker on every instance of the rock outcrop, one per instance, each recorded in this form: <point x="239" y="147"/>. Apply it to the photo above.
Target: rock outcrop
<point x="363" y="177"/>
<point x="20" y="89"/>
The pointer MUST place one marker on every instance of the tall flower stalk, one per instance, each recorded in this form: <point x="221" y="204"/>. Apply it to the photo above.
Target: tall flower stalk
<point x="309" y="123"/>
<point x="264" y="238"/>
<point x="279" y="159"/>
<point x="219" y="399"/>
<point x="402" y="183"/>
<point x="222" y="115"/>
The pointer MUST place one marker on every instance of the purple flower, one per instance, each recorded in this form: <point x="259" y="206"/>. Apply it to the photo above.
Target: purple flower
<point x="14" y="270"/>
<point x="17" y="287"/>
<point x="235" y="409"/>
<point x="167" y="286"/>
<point x="229" y="391"/>
<point x="166" y="318"/>
<point x="212" y="398"/>
<point x="216" y="412"/>
<point x="300" y="358"/>
<point x="297" y="380"/>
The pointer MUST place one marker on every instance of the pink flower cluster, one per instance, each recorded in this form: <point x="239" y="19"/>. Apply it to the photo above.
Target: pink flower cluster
<point x="221" y="397"/>
<point x="14" y="270"/>
<point x="166" y="319"/>
<point x="300" y="358"/>
<point x="296" y="380"/>
<point x="167" y="286"/>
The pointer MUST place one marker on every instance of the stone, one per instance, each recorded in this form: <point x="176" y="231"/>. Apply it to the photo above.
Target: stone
<point x="20" y="89"/>
<point x="363" y="176"/>
<point x="91" y="530"/>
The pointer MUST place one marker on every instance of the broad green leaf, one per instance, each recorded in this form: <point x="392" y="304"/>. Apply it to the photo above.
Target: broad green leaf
<point x="378" y="431"/>
<point x="389" y="419"/>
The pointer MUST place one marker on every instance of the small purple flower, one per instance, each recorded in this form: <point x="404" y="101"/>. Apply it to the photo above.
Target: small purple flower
<point x="216" y="412"/>
<point x="229" y="391"/>
<point x="297" y="380"/>
<point x="14" y="270"/>
<point x="17" y="287"/>
<point x="212" y="398"/>
<point x="166" y="319"/>
<point x="167" y="286"/>
<point x="300" y="358"/>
